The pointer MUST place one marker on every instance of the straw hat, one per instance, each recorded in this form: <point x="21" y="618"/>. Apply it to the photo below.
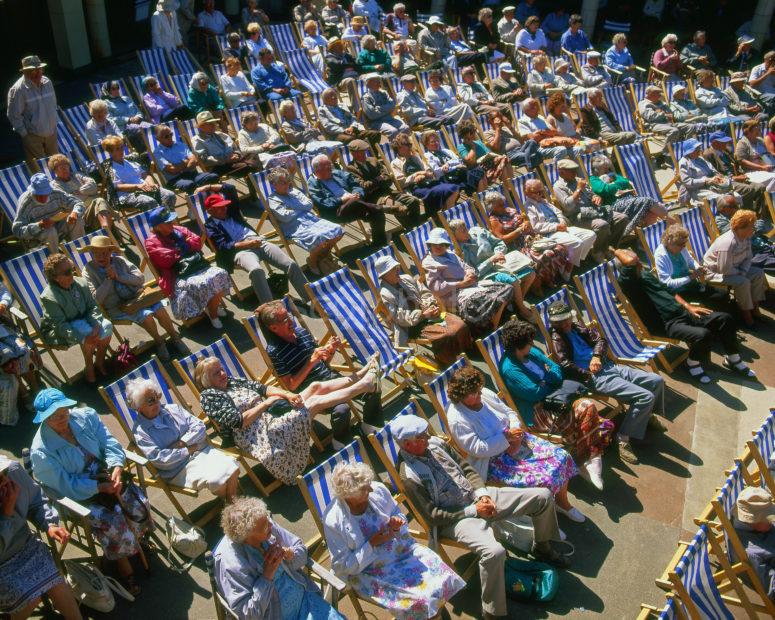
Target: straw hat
<point x="100" y="242"/>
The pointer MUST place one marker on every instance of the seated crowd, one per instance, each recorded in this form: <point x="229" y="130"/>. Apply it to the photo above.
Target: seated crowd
<point x="508" y="145"/>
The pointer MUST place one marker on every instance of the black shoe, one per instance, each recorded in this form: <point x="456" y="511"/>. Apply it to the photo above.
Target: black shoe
<point x="543" y="552"/>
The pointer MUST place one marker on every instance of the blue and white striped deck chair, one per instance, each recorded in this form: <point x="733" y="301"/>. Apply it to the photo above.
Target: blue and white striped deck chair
<point x="301" y="66"/>
<point x="416" y="243"/>
<point x="580" y="100"/>
<point x="542" y="312"/>
<point x="762" y="447"/>
<point x="68" y="143"/>
<point x="368" y="267"/>
<point x="226" y="353"/>
<point x="222" y="40"/>
<point x="619" y="103"/>
<point x="183" y="61"/>
<point x="152" y="143"/>
<point x="154" y="60"/>
<point x="345" y="155"/>
<point x="484" y="122"/>
<point x="180" y="83"/>
<point x="387" y="152"/>
<point x="585" y="159"/>
<point x="387" y="447"/>
<point x="678" y="147"/>
<point x="76" y="118"/>
<point x="274" y="104"/>
<point x="99" y="154"/>
<point x="96" y="88"/>
<point x="670" y="86"/>
<point x="283" y="36"/>
<point x="189" y="129"/>
<point x="219" y="70"/>
<point x="436" y="389"/>
<point x="140" y="230"/>
<point x="234" y="114"/>
<point x="518" y="182"/>
<point x="14" y="181"/>
<point x="424" y="82"/>
<point x="635" y="165"/>
<point x="699" y="239"/>
<point x="467" y="211"/>
<point x="491" y="70"/>
<point x="551" y="173"/>
<point x="342" y="304"/>
<point x="639" y="91"/>
<point x="651" y="237"/>
<point x="498" y="188"/>
<point x="723" y="81"/>
<point x="600" y="298"/>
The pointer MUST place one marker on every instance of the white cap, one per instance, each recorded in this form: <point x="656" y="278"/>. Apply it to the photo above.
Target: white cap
<point x="506" y="67"/>
<point x="406" y="427"/>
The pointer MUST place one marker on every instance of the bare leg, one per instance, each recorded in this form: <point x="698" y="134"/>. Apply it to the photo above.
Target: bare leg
<point x="64" y="602"/>
<point x="212" y="305"/>
<point x="229" y="490"/>
<point x="26" y="612"/>
<point x="561" y="498"/>
<point x="165" y="320"/>
<point x="87" y="348"/>
<point x="321" y="402"/>
<point x="496" y="319"/>
<point x="149" y="325"/>
<point x="102" y="348"/>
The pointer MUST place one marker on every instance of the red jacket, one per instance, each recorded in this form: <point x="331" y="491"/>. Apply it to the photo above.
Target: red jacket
<point x="163" y="254"/>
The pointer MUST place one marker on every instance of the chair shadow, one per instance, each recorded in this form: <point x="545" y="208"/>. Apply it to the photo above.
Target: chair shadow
<point x="618" y="497"/>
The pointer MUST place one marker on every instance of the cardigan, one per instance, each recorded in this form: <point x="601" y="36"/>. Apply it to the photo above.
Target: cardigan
<point x="104" y="288"/>
<point x="62" y="306"/>
<point x="524" y="386"/>
<point x="664" y="266"/>
<point x="164" y="255"/>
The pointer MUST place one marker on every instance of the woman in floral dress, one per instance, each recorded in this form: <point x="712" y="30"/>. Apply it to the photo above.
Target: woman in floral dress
<point x="240" y="408"/>
<point x="499" y="448"/>
<point x="372" y="549"/>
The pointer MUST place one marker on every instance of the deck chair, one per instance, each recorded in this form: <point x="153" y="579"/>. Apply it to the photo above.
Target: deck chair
<point x="96" y="88"/>
<point x="635" y="165"/>
<point x="367" y="266"/>
<point x="624" y="331"/>
<point x="650" y="238"/>
<point x="154" y="60"/>
<point x="70" y="143"/>
<point x="436" y="390"/>
<point x="761" y="449"/>
<point x="14" y="181"/>
<point x="76" y="118"/>
<point x="619" y="104"/>
<point x="416" y="243"/>
<point x="699" y="238"/>
<point x="114" y="397"/>
<point x="234" y="115"/>
<point x="669" y="612"/>
<point x="341" y="304"/>
<point x="284" y="37"/>
<point x="541" y="310"/>
<point x="467" y="211"/>
<point x="183" y="61"/>
<point x="179" y="83"/>
<point x="301" y="66"/>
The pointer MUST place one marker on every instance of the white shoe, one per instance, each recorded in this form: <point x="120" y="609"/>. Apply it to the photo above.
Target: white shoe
<point x="563" y="535"/>
<point x="592" y="470"/>
<point x="221" y="311"/>
<point x="573" y="514"/>
<point x="216" y="323"/>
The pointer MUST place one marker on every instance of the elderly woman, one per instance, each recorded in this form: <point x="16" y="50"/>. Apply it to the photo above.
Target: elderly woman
<point x="71" y="316"/>
<point x="256" y="41"/>
<point x="497" y="445"/>
<point x="304" y="136"/>
<point x="566" y="80"/>
<point x="413" y="312"/>
<point x="667" y="59"/>
<point x="751" y="150"/>
<point x="441" y="98"/>
<point x="191" y="283"/>
<point x="456" y="285"/>
<point x="449" y="168"/>
<point x="540" y="80"/>
<point x="315" y="44"/>
<point x="237" y="90"/>
<point x="99" y="126"/>
<point x="29" y="571"/>
<point x="476" y="95"/>
<point x="175" y="442"/>
<point x="551" y="263"/>
<point x="531" y="39"/>
<point x="618" y="58"/>
<point x="356" y="30"/>
<point x="372" y="57"/>
<point x="728" y="261"/>
<point x="161" y="105"/>
<point x="683" y="109"/>
<point x="17" y="353"/>
<point x="698" y="180"/>
<point x="123" y="111"/>
<point x="711" y="100"/>
<point x="259" y="568"/>
<point x="491" y="260"/>
<point x="559" y="119"/>
<point x="298" y="221"/>
<point x="240" y="409"/>
<point x="502" y="138"/>
<point x="261" y="141"/>
<point x="75" y="456"/>
<point x="617" y="192"/>
<point x="486" y="36"/>
<point x="418" y="178"/>
<point x="372" y="549"/>
<point x="117" y="287"/>
<point x="202" y="96"/>
<point x="474" y="153"/>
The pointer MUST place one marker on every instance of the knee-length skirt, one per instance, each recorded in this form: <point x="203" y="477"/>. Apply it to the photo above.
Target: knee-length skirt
<point x="26" y="575"/>
<point x="194" y="292"/>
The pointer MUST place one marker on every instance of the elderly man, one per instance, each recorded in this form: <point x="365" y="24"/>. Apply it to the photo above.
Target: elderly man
<point x="685" y="110"/>
<point x="698" y="54"/>
<point x="763" y="76"/>
<point x="212" y="21"/>
<point x="754" y="527"/>
<point x="341" y="67"/>
<point x="414" y="109"/>
<point x="454" y="500"/>
<point x="508" y="27"/>
<point x="97" y="214"/>
<point x="761" y="246"/>
<point x="216" y="151"/>
<point x="339" y="198"/>
<point x="583" y="207"/>
<point x="398" y="24"/>
<point x="598" y="122"/>
<point x="378" y="186"/>
<point x="574" y="39"/>
<point x="177" y="164"/>
<point x="669" y="314"/>
<point x="533" y="126"/>
<point x="32" y="110"/>
<point x="44" y="214"/>
<point x="583" y="354"/>
<point x="472" y="92"/>
<point x="593" y="74"/>
<point x="658" y="119"/>
<point x="698" y="180"/>
<point x="434" y="39"/>
<point x="238" y="245"/>
<point x="743" y="56"/>
<point x="503" y="139"/>
<point x="728" y="261"/>
<point x="339" y="124"/>
<point x="723" y="160"/>
<point x="333" y="17"/>
<point x="568" y="82"/>
<point x="744" y="101"/>
<point x="378" y="109"/>
<point x="548" y="221"/>
<point x="271" y="78"/>
<point x="506" y="88"/>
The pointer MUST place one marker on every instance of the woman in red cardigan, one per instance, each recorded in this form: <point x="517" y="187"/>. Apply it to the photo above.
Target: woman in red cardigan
<point x="192" y="284"/>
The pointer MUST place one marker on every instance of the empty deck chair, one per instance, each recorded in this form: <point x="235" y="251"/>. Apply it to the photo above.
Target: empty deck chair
<point x="14" y="181"/>
<point x="284" y="37"/>
<point x="624" y="331"/>
<point x="416" y="243"/>
<point x="635" y="165"/>
<point x="180" y="84"/>
<point x="115" y="399"/>
<point x="183" y="61"/>
<point x="154" y="60"/>
<point x="301" y="66"/>
<point x="619" y="103"/>
<point x="341" y="304"/>
<point x="76" y="118"/>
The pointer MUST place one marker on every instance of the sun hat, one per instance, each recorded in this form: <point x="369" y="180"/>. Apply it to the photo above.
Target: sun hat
<point x="385" y="264"/>
<point x="438" y="236"/>
<point x="40" y="184"/>
<point x="506" y="67"/>
<point x="720" y="136"/>
<point x="691" y="145"/>
<point x="205" y="117"/>
<point x="32" y="62"/>
<point x="435" y="20"/>
<point x="559" y="311"/>
<point x="48" y="401"/>
<point x="99" y="242"/>
<point x="358" y="145"/>
<point x="754" y="505"/>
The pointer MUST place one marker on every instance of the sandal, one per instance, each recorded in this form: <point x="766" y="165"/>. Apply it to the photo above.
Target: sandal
<point x="698" y="372"/>
<point x="130" y="584"/>
<point x="739" y="367"/>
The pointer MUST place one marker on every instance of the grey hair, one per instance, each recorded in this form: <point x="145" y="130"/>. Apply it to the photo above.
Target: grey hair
<point x="248" y="117"/>
<point x="240" y="517"/>
<point x="600" y="164"/>
<point x="136" y="388"/>
<point x="533" y="184"/>
<point x="491" y="199"/>
<point x="348" y="479"/>
<point x="202" y="371"/>
<point x="485" y="12"/>
<point x="319" y="159"/>
<point x="399" y="5"/>
<point x="670" y="38"/>
<point x="98" y="105"/>
<point x="285" y="106"/>
<point x="368" y="41"/>
<point x="675" y="233"/>
<point x="279" y="173"/>
<point x="618" y="37"/>
<point x="456" y="223"/>
<point x="328" y="92"/>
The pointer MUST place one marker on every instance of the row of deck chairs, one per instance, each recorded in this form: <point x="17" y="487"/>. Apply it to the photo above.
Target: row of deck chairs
<point x="728" y="586"/>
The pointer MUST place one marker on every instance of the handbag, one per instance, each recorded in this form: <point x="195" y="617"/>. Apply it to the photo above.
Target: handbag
<point x="191" y="264"/>
<point x="123" y="360"/>
<point x="187" y="539"/>
<point x="92" y="588"/>
<point x="531" y="581"/>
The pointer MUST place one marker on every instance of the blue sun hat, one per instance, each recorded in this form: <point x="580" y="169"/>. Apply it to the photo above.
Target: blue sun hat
<point x="48" y="401"/>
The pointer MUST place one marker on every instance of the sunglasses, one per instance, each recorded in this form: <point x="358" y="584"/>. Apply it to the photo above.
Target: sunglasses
<point x="152" y="400"/>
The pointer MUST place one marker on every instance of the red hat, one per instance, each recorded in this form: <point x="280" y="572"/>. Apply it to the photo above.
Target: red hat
<point x="216" y="200"/>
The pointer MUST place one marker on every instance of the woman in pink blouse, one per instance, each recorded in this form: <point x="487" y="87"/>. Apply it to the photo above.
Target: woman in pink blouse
<point x="667" y="58"/>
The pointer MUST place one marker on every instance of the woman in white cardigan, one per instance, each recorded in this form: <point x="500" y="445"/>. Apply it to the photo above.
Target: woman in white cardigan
<point x="372" y="550"/>
<point x="498" y="447"/>
<point x="165" y="32"/>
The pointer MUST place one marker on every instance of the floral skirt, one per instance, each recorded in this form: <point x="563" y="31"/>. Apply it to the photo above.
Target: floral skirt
<point x="551" y="266"/>
<point x="192" y="293"/>
<point x="119" y="532"/>
<point x="539" y="463"/>
<point x="279" y="443"/>
<point x="477" y="305"/>
<point x="27" y="575"/>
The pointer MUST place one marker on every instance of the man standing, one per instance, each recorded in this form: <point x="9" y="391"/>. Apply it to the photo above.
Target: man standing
<point x="32" y="110"/>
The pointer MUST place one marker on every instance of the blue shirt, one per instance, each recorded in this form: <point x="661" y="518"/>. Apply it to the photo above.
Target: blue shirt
<point x="265" y="78"/>
<point x="171" y="156"/>
<point x="553" y="22"/>
<point x="620" y="61"/>
<point x="524" y="11"/>
<point x="337" y="190"/>
<point x="574" y="42"/>
<point x="236" y="230"/>
<point x="582" y="352"/>
<point x="128" y="173"/>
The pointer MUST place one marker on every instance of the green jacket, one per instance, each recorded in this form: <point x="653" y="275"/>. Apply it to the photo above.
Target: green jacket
<point x="607" y="191"/>
<point x="199" y="101"/>
<point x="62" y="306"/>
<point x="368" y="60"/>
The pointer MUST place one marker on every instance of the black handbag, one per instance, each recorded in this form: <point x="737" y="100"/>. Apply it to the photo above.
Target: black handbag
<point x="191" y="264"/>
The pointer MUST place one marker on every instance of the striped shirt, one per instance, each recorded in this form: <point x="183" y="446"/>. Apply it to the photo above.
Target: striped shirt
<point x="288" y="358"/>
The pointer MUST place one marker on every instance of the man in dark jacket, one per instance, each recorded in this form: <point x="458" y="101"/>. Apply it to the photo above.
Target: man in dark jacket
<point x="340" y="64"/>
<point x="237" y="244"/>
<point x="372" y="175"/>
<point x="599" y="123"/>
<point x="723" y="159"/>
<point x="339" y="198"/>
<point x="582" y="352"/>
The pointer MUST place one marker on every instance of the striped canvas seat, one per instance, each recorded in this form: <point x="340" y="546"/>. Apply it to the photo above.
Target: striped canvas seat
<point x="491" y="70"/>
<point x="221" y="349"/>
<point x="581" y="99"/>
<point x="351" y="313"/>
<point x="68" y="143"/>
<point x="551" y="172"/>
<point x="235" y="114"/>
<point x="619" y="103"/>
<point x="668" y="612"/>
<point x="71" y="249"/>
<point x="678" y="147"/>
<point x="542" y="307"/>
<point x="616" y="26"/>
<point x="639" y="91"/>
<point x="180" y="83"/>
<point x="14" y="181"/>
<point x="437" y="390"/>
<point x="100" y="155"/>
<point x="219" y="69"/>
<point x="465" y="211"/>
<point x="636" y="167"/>
<point x="283" y="36"/>
<point x="154" y="61"/>
<point x="77" y="117"/>
<point x="601" y="304"/>
<point x="150" y="136"/>
<point x="316" y="483"/>
<point x="182" y="61"/>
<point x="519" y="185"/>
<point x="493" y="346"/>
<point x="764" y="438"/>
<point x="301" y="66"/>
<point x="140" y="230"/>
<point x="699" y="238"/>
<point x="652" y="236"/>
<point x="384" y="438"/>
<point x="416" y="242"/>
<point x="25" y="274"/>
<point x="96" y="88"/>
<point x="670" y="86"/>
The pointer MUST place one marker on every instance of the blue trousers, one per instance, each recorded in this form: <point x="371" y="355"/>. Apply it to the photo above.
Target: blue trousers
<point x="277" y="96"/>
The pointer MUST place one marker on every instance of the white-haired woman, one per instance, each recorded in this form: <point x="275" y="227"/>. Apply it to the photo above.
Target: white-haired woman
<point x="372" y="549"/>
<point x="261" y="140"/>
<point x="373" y="57"/>
<point x="303" y="136"/>
<point x="259" y="568"/>
<point x="241" y="410"/>
<point x="175" y="442"/>
<point x="99" y="126"/>
<point x="667" y="59"/>
<point x="540" y="79"/>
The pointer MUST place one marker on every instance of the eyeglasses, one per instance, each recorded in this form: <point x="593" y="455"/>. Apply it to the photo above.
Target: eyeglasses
<point x="152" y="400"/>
